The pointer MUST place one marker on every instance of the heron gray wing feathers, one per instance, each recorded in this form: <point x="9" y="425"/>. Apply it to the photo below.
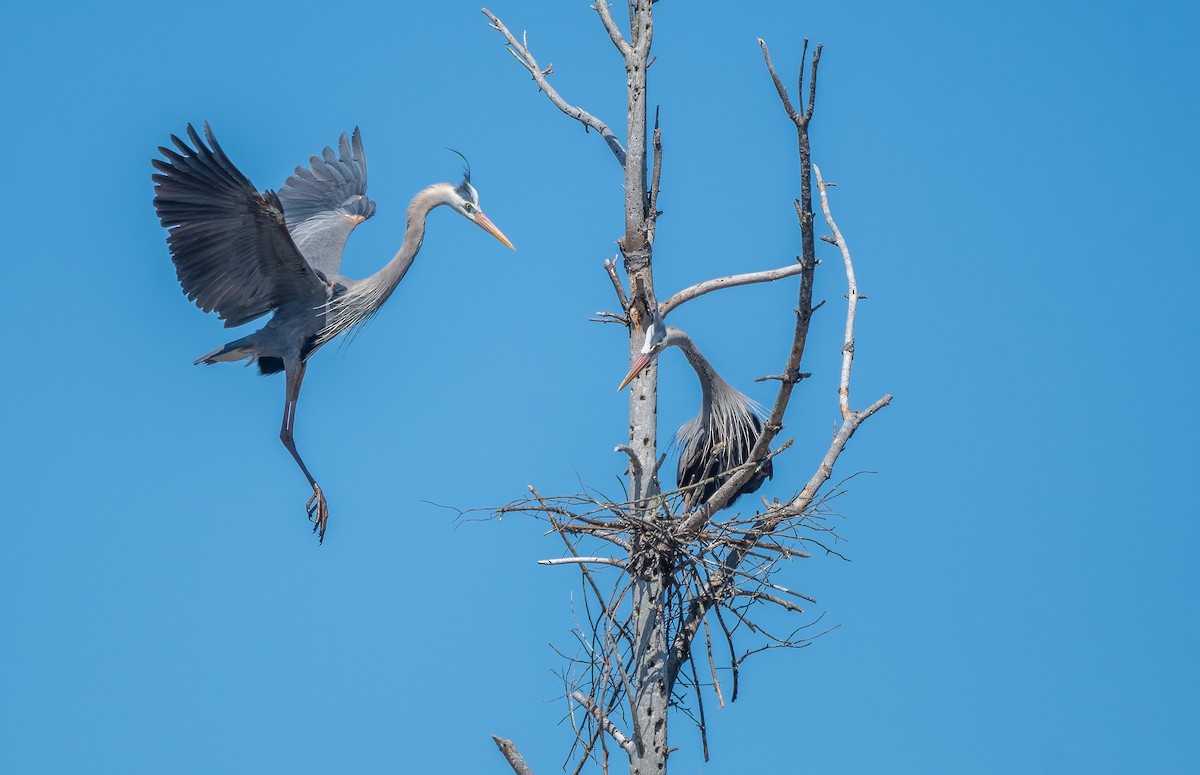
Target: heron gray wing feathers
<point x="230" y="244"/>
<point x="325" y="201"/>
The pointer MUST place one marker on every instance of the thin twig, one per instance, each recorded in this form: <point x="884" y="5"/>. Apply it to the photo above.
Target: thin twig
<point x="583" y="561"/>
<point x="774" y="422"/>
<point x="609" y="317"/>
<point x="703" y="726"/>
<point x="779" y="601"/>
<point x="781" y="377"/>
<point x="712" y="665"/>
<point x="733" y="663"/>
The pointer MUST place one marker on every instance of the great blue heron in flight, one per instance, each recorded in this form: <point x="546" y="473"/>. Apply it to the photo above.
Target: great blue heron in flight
<point x="243" y="254"/>
<point x="717" y="440"/>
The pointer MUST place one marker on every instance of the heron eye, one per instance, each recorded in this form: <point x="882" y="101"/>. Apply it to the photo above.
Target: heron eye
<point x="470" y="208"/>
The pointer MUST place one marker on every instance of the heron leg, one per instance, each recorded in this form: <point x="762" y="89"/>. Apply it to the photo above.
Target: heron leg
<point x="317" y="507"/>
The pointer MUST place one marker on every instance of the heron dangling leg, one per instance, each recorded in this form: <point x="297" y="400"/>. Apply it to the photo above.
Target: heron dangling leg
<point x="317" y="507"/>
<point x="318" y="512"/>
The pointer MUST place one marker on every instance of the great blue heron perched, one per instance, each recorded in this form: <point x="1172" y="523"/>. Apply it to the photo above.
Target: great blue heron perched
<point x="243" y="254"/>
<point x="717" y="440"/>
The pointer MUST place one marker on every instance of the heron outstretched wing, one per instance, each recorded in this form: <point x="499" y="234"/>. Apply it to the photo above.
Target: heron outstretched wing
<point x="325" y="201"/>
<point x="230" y="245"/>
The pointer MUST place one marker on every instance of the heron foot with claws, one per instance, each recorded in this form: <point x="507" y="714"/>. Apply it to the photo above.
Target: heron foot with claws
<point x="318" y="512"/>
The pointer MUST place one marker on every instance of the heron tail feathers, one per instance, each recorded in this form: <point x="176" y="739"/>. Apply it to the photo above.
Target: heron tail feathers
<point x="240" y="350"/>
<point x="234" y="351"/>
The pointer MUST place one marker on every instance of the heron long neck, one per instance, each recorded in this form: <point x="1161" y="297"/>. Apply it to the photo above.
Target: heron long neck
<point x="708" y="376"/>
<point x="386" y="279"/>
<point x="364" y="298"/>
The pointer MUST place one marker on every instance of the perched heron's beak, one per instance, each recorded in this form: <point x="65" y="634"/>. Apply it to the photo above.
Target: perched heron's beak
<point x="642" y="362"/>
<point x="486" y="224"/>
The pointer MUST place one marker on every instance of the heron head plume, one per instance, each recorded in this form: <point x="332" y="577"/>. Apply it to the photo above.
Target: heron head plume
<point x="465" y="190"/>
<point x="464" y="199"/>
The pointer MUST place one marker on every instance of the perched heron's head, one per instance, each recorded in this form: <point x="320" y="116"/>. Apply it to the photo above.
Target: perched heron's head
<point x="655" y="341"/>
<point x="464" y="199"/>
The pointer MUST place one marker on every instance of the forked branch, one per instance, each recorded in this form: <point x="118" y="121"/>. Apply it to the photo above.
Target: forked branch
<point x="610" y="27"/>
<point x="721" y="581"/>
<point x="804" y="309"/>
<point x="635" y="639"/>
<point x="851" y="420"/>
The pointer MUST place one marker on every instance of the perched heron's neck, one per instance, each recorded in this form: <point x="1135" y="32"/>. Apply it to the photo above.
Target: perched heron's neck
<point x="708" y="376"/>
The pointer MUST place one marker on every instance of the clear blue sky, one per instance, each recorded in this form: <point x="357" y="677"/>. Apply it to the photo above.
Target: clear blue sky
<point x="1017" y="183"/>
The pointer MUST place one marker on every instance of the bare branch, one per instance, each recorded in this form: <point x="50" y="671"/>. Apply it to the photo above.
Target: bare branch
<point x="712" y="665"/>
<point x="784" y="550"/>
<point x="733" y="661"/>
<point x="732" y="281"/>
<point x="609" y="317"/>
<point x="655" y="176"/>
<point x="774" y="423"/>
<point x="641" y="28"/>
<point x="635" y="465"/>
<point x="603" y="720"/>
<point x="610" y="27"/>
<point x="800" y="75"/>
<point x="515" y="760"/>
<point x="779" y="87"/>
<point x="812" y="79"/>
<point x="610" y="267"/>
<point x="804" y="310"/>
<point x="852" y="296"/>
<point x="782" y="377"/>
<point x="701" y="723"/>
<point x="801" y="502"/>
<point x="522" y="54"/>
<point x="583" y="561"/>
<point x="779" y="601"/>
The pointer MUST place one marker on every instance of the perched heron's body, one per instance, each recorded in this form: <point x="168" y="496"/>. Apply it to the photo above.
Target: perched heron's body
<point x="243" y="254"/>
<point x="720" y="438"/>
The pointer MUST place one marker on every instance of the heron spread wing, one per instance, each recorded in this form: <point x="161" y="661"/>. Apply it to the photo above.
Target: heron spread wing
<point x="324" y="202"/>
<point x="230" y="245"/>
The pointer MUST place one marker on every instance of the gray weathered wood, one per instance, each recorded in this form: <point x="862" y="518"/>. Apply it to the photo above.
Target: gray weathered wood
<point x="643" y="631"/>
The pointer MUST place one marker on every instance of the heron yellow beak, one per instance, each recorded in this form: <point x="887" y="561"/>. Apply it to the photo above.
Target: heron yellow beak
<point x="642" y="362"/>
<point x="486" y="224"/>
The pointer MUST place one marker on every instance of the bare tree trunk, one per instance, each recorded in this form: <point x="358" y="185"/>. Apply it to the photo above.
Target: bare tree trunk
<point x="636" y="248"/>
<point x="651" y="693"/>
<point x="681" y="561"/>
<point x="649" y="754"/>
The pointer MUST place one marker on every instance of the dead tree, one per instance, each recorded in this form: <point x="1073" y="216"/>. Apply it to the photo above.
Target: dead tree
<point x="670" y="582"/>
